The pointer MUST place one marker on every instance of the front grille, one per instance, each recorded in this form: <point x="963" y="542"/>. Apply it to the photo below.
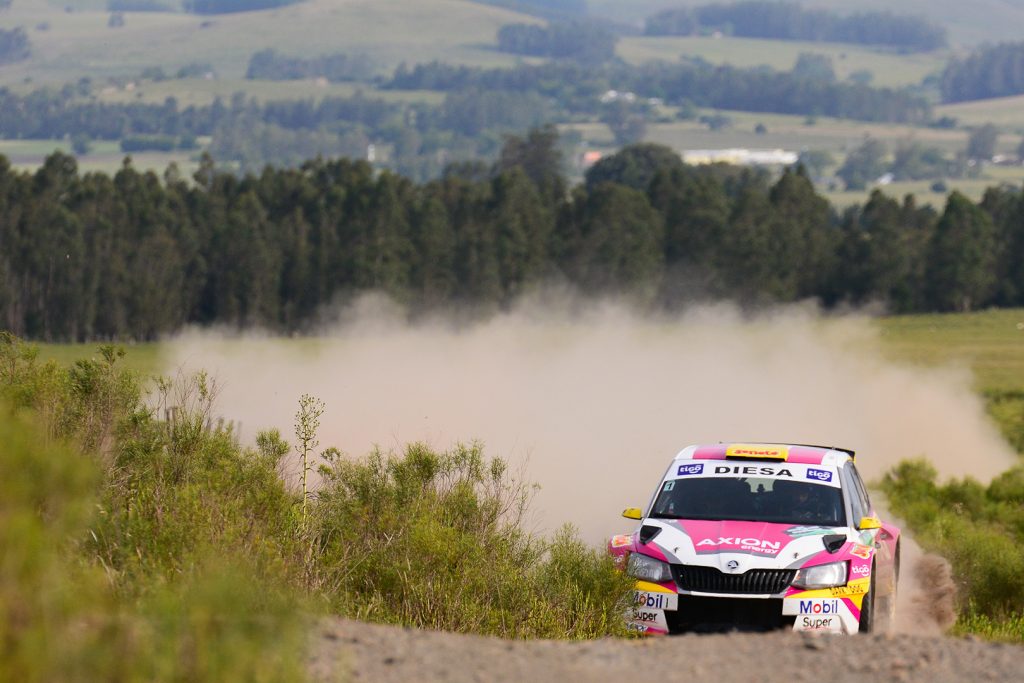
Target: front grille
<point x="752" y="582"/>
<point x="703" y="614"/>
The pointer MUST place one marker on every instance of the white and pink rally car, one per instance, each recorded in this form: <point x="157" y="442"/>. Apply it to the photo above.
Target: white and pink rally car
<point x="760" y="537"/>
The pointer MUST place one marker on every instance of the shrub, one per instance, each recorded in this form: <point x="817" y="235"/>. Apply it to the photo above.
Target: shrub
<point x="434" y="540"/>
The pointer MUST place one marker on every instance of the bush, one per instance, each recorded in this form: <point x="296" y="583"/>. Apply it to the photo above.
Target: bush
<point x="190" y="559"/>
<point x="434" y="540"/>
<point x="978" y="529"/>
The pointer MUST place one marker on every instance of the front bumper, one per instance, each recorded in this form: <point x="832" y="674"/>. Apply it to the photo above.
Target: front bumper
<point x="662" y="609"/>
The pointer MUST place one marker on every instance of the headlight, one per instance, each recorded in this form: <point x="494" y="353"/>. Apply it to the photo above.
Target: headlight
<point x="822" y="576"/>
<point x="648" y="569"/>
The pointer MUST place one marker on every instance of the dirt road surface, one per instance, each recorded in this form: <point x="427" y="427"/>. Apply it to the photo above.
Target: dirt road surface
<point x="354" y="651"/>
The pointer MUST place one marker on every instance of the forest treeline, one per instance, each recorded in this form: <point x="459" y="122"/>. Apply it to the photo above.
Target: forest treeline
<point x="14" y="45"/>
<point x="229" y="6"/>
<point x="989" y="71"/>
<point x="696" y="83"/>
<point x="583" y="41"/>
<point x="790" y="21"/>
<point x="133" y="256"/>
<point x="479" y="107"/>
<point x="271" y="65"/>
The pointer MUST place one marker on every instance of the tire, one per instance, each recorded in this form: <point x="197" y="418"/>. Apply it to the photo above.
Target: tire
<point x="867" y="609"/>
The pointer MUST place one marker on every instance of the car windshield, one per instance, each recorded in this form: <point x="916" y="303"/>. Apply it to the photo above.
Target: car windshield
<point x="750" y="499"/>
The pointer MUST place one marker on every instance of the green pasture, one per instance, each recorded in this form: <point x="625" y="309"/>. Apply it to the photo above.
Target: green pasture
<point x="786" y="132"/>
<point x="1007" y="113"/>
<point x="201" y="91"/>
<point x="990" y="342"/>
<point x="887" y="68"/>
<point x="70" y="45"/>
<point x="968" y="23"/>
<point x="974" y="188"/>
<point x="105" y="156"/>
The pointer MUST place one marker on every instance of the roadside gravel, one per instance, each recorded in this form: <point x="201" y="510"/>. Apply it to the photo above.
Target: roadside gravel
<point x="355" y="651"/>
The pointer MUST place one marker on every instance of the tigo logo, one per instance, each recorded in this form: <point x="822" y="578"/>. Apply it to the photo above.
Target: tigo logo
<point x="685" y="470"/>
<point x="819" y="475"/>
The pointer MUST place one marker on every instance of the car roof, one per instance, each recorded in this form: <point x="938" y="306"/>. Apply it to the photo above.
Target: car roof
<point x="829" y="456"/>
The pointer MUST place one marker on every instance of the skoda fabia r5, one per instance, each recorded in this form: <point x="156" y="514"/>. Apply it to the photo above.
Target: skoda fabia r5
<point x="760" y="537"/>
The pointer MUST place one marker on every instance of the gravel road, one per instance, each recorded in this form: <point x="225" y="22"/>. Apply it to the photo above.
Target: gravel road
<point x="354" y="651"/>
<point x="916" y="650"/>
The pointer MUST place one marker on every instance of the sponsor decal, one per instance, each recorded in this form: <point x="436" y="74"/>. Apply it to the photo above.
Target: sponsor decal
<point x="846" y="591"/>
<point x="620" y="541"/>
<point x="819" y="606"/>
<point x="755" y="470"/>
<point x="758" y="545"/>
<point x="817" y="624"/>
<point x="860" y="569"/>
<point x="801" y="531"/>
<point x="646" y="616"/>
<point x="644" y="600"/>
<point x="686" y="470"/>
<point x="818" y="475"/>
<point x="861" y="551"/>
<point x="756" y="451"/>
<point x="639" y="628"/>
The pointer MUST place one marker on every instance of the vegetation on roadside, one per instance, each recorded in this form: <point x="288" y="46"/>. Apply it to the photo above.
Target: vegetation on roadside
<point x="143" y="542"/>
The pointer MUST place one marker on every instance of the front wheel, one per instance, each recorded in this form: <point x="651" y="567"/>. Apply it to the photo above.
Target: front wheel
<point x="867" y="608"/>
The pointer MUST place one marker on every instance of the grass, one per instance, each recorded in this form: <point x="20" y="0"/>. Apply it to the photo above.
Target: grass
<point x="968" y="22"/>
<point x="146" y="359"/>
<point x="888" y="68"/>
<point x="1005" y="112"/>
<point x="80" y="43"/>
<point x="990" y="342"/>
<point x="200" y="91"/>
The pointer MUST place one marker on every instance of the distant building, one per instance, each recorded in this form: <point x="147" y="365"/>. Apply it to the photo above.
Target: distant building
<point x="740" y="157"/>
<point x="590" y="158"/>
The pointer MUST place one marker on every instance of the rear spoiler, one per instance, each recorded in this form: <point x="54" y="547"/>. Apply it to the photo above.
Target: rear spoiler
<point x="848" y="451"/>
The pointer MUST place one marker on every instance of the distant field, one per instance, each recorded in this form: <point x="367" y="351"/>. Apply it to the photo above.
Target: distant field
<point x="786" y="132"/>
<point x="968" y="23"/>
<point x="991" y="343"/>
<point x="146" y="359"/>
<point x="1005" y="112"/>
<point x="200" y="91"/>
<point x="887" y="68"/>
<point x="79" y="43"/>
<point x="105" y="157"/>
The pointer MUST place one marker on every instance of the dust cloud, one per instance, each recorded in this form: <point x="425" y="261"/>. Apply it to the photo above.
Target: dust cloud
<point x="596" y="400"/>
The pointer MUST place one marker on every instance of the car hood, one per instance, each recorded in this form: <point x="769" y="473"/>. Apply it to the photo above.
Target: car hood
<point x="736" y="546"/>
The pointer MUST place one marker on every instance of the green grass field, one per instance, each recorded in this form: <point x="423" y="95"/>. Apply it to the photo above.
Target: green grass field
<point x="968" y="22"/>
<point x="1005" y="112"/>
<point x="990" y="342"/>
<point x="887" y="68"/>
<point x="79" y="43"/>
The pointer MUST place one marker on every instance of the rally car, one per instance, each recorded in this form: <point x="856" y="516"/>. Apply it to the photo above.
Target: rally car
<point x="760" y="537"/>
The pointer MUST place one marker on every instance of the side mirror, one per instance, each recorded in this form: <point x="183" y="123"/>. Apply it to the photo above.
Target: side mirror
<point x="869" y="523"/>
<point x="633" y="513"/>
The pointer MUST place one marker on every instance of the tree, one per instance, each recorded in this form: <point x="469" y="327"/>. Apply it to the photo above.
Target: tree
<point x="634" y="166"/>
<point x="863" y="164"/>
<point x="619" y="238"/>
<point x="981" y="145"/>
<point x="815" y="67"/>
<point x="539" y="156"/>
<point x="961" y="257"/>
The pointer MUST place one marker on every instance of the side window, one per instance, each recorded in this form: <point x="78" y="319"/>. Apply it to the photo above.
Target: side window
<point x="853" y="493"/>
<point x="862" y="492"/>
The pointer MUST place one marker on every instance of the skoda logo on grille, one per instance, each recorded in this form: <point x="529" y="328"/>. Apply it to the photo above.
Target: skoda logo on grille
<point x="733" y="565"/>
